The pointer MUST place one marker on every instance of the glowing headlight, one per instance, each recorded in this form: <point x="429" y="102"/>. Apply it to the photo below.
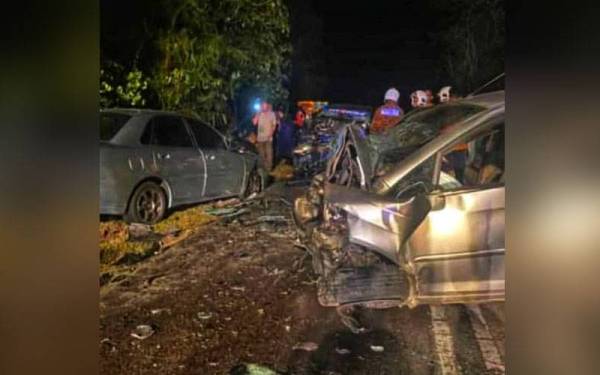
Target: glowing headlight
<point x="303" y="149"/>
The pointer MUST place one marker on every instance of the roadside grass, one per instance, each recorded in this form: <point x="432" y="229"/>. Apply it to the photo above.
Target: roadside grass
<point x="121" y="245"/>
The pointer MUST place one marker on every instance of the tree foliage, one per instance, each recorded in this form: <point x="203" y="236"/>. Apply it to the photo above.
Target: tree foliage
<point x="122" y="88"/>
<point x="472" y="38"/>
<point x="203" y="56"/>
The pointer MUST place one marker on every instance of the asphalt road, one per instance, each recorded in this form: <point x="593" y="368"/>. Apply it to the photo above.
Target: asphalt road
<point x="236" y="294"/>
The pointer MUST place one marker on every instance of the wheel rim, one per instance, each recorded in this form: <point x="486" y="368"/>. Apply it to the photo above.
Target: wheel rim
<point x="149" y="205"/>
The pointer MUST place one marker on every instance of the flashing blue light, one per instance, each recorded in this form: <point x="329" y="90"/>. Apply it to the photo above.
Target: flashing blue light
<point x="256" y="105"/>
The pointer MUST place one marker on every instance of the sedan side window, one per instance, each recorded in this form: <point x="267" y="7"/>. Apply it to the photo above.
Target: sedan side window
<point x="205" y="136"/>
<point x="166" y="131"/>
<point x="475" y="161"/>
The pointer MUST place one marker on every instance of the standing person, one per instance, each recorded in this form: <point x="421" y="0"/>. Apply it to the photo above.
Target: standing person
<point x="299" y="118"/>
<point x="421" y="98"/>
<point x="266" y="123"/>
<point x="389" y="114"/>
<point x="286" y="131"/>
<point x="456" y="159"/>
<point x="299" y="121"/>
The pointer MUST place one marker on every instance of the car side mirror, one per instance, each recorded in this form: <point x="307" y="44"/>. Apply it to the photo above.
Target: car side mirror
<point x="415" y="188"/>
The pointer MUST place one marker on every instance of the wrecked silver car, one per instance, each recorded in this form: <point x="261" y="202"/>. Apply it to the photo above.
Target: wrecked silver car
<point x="317" y="145"/>
<point x="392" y="222"/>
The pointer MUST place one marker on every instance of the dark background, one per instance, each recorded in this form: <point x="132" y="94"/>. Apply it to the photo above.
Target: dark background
<point x="352" y="51"/>
<point x="343" y="51"/>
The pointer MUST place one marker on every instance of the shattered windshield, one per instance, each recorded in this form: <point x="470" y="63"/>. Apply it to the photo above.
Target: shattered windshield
<point x="422" y="125"/>
<point x="416" y="128"/>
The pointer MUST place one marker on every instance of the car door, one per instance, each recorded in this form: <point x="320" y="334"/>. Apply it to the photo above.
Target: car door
<point x="457" y="253"/>
<point x="225" y="169"/>
<point x="176" y="158"/>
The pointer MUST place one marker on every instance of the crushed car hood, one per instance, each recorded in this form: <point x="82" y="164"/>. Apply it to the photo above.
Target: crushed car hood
<point x="377" y="221"/>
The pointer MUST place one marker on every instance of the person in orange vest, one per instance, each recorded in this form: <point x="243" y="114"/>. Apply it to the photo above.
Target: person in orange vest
<point x="389" y="114"/>
<point x="457" y="158"/>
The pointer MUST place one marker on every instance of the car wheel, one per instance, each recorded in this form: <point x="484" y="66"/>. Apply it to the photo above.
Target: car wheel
<point x="148" y="204"/>
<point x="255" y="183"/>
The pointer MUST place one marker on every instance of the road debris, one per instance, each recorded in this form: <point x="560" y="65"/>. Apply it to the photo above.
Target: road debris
<point x="377" y="348"/>
<point x="308" y="346"/>
<point x="173" y="239"/>
<point x="342" y="351"/>
<point x="137" y="230"/>
<point x="204" y="316"/>
<point x="221" y="211"/>
<point x="142" y="332"/>
<point x="160" y="311"/>
<point x="251" y="369"/>
<point x="283" y="172"/>
<point x="271" y="219"/>
<point x="227" y="202"/>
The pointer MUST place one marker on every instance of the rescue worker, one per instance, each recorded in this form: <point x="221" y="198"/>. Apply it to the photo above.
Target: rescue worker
<point x="456" y="159"/>
<point x="444" y="94"/>
<point x="266" y="124"/>
<point x="421" y="98"/>
<point x="389" y="114"/>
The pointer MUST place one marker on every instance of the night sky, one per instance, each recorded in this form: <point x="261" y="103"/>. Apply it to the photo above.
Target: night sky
<point x="344" y="51"/>
<point x="367" y="46"/>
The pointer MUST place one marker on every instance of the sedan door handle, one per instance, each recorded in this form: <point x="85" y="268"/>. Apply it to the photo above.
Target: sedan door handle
<point x="163" y="156"/>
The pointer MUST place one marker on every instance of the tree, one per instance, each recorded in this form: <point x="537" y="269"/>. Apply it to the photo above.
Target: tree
<point x="472" y="39"/>
<point x="212" y="50"/>
<point x="119" y="87"/>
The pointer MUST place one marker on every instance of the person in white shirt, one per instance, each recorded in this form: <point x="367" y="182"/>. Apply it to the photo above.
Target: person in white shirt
<point x="266" y="123"/>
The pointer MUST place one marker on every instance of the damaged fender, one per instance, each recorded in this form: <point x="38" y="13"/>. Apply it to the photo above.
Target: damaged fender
<point x="376" y="221"/>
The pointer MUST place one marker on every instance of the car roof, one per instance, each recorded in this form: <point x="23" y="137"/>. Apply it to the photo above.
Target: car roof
<point x="488" y="100"/>
<point x="140" y="111"/>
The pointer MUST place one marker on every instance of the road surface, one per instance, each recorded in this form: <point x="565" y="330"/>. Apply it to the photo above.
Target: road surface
<point x="242" y="293"/>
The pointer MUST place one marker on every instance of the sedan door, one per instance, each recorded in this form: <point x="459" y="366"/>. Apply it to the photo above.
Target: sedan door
<point x="457" y="254"/>
<point x="226" y="170"/>
<point x="177" y="159"/>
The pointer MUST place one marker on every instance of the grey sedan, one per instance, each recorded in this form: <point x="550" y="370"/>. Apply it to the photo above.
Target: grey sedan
<point x="409" y="225"/>
<point x="151" y="161"/>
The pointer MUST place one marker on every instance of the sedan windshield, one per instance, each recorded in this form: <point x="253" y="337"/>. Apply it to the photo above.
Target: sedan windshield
<point x="110" y="124"/>
<point x="421" y="125"/>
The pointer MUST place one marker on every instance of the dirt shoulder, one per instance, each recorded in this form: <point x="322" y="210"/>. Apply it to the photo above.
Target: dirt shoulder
<point x="240" y="292"/>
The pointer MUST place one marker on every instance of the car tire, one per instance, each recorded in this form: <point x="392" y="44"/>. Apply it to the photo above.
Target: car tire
<point x="148" y="204"/>
<point x="255" y="183"/>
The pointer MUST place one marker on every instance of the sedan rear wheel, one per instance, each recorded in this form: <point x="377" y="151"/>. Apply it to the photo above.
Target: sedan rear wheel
<point x="148" y="204"/>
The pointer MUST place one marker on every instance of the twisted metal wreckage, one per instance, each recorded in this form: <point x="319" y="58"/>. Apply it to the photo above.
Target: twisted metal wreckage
<point x="387" y="225"/>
